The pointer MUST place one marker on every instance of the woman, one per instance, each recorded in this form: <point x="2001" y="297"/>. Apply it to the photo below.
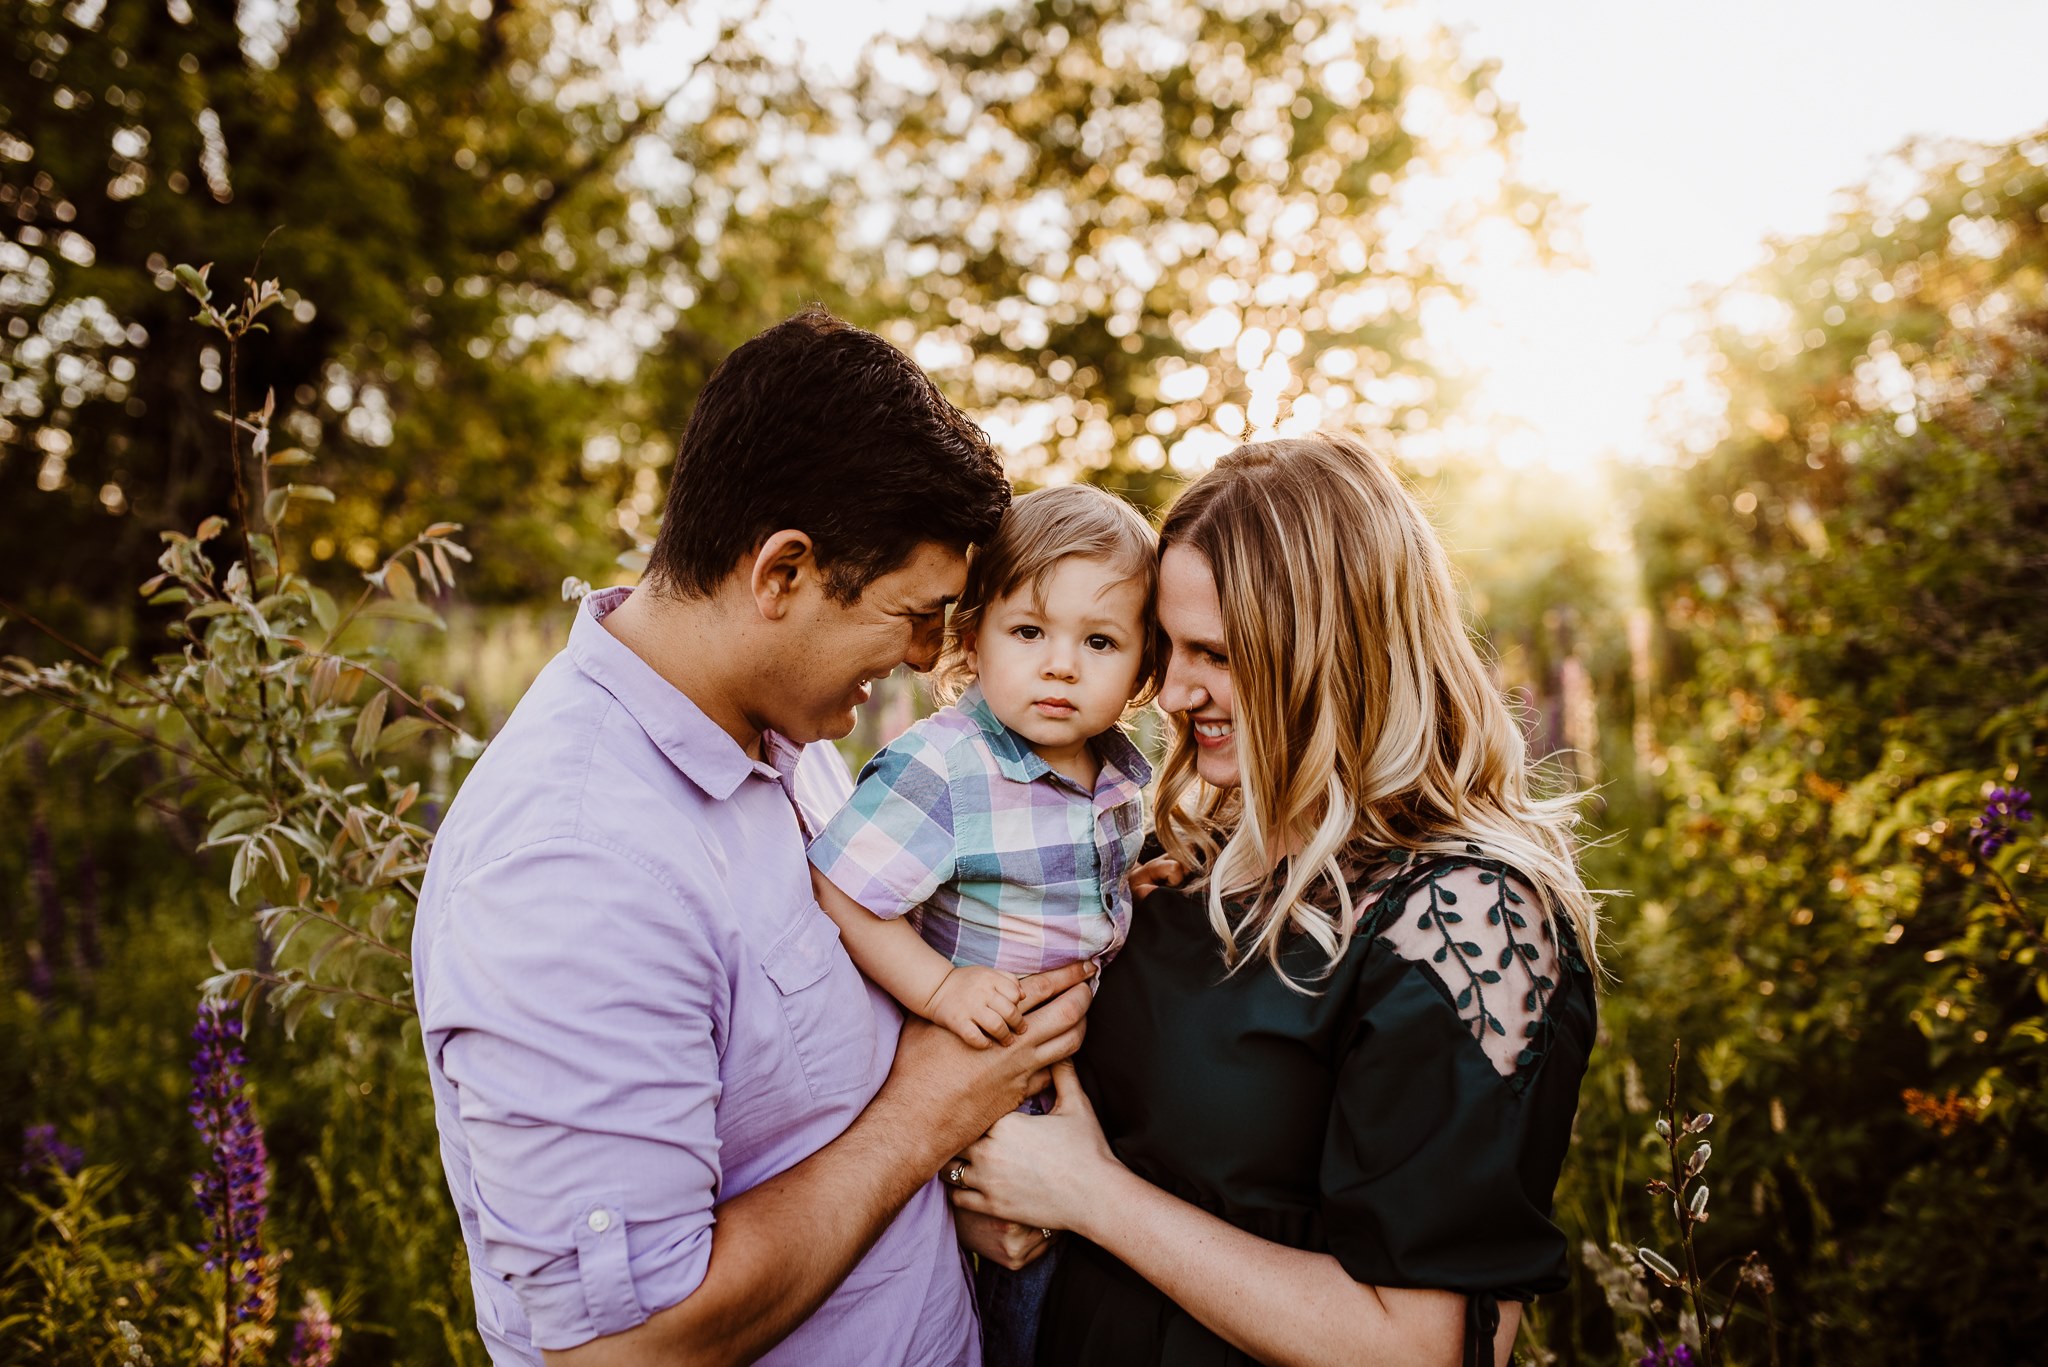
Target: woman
<point x="1333" y="1074"/>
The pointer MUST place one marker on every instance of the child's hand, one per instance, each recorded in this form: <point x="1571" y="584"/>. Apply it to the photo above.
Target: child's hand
<point x="980" y="1005"/>
<point x="1154" y="874"/>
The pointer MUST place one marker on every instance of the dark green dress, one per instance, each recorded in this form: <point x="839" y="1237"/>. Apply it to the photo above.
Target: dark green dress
<point x="1410" y="1117"/>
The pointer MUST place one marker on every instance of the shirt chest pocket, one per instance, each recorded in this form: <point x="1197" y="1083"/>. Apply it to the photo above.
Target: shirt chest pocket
<point x="825" y="1003"/>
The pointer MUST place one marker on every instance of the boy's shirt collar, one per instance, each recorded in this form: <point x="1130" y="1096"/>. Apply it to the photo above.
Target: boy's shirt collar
<point x="1016" y="760"/>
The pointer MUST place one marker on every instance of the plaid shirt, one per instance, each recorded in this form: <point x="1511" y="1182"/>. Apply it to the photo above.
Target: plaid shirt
<point x="998" y="859"/>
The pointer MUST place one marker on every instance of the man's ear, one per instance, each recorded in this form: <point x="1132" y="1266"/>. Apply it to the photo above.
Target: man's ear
<point x="785" y="564"/>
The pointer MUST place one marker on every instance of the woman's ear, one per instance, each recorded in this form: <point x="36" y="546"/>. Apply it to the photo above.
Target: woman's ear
<point x="786" y="563"/>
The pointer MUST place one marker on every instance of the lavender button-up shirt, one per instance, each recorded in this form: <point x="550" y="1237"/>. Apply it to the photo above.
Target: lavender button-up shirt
<point x="633" y="1009"/>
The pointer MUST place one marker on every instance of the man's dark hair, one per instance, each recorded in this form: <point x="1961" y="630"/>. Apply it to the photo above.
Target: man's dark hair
<point x="818" y="426"/>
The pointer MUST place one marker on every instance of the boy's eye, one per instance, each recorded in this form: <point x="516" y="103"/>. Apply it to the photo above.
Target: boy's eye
<point x="1101" y="642"/>
<point x="1026" y="633"/>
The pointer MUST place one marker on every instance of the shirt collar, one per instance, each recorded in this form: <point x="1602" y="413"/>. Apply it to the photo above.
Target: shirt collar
<point x="702" y="749"/>
<point x="1016" y="760"/>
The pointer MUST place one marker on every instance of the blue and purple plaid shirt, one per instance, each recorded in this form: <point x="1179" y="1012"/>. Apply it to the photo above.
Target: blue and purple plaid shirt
<point x="998" y="859"/>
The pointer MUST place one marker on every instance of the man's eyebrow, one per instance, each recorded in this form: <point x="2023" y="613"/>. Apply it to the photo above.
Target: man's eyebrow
<point x="935" y="605"/>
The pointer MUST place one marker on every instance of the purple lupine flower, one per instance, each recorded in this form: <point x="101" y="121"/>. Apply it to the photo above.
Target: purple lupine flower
<point x="1667" y="1355"/>
<point x="317" y="1336"/>
<point x="2004" y="809"/>
<point x="231" y="1193"/>
<point x="42" y="1146"/>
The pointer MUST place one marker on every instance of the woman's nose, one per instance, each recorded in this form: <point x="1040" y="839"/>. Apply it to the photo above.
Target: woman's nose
<point x="1179" y="693"/>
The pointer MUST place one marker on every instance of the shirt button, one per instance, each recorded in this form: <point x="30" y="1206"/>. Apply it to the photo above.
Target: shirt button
<point x="600" y="1221"/>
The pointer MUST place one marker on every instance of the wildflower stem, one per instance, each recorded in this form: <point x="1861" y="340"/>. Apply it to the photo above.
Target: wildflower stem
<point x="1710" y="1347"/>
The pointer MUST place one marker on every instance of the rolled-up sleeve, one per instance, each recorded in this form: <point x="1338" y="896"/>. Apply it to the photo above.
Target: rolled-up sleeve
<point x="574" y="1006"/>
<point x="891" y="846"/>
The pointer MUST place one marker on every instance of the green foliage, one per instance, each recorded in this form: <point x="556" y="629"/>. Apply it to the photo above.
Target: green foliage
<point x="79" y="1290"/>
<point x="1845" y="590"/>
<point x="1119" y="228"/>
<point x="290" y="764"/>
<point x="487" y="223"/>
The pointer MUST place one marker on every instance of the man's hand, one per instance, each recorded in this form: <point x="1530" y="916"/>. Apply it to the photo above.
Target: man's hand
<point x="981" y="1005"/>
<point x="942" y="1094"/>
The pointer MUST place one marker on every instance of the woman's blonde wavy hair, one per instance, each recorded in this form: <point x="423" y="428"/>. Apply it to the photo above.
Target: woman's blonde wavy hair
<point x="1365" y="719"/>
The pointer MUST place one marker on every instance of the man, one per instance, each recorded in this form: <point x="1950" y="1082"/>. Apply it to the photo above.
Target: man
<point x="666" y="1099"/>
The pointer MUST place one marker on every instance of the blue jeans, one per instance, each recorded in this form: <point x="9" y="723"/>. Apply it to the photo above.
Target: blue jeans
<point x="1010" y="1304"/>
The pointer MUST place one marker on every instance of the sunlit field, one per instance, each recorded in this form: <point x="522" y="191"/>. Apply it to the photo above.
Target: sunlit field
<point x="1715" y="343"/>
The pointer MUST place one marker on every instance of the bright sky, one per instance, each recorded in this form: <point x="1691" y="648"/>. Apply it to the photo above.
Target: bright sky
<point x="1686" y="134"/>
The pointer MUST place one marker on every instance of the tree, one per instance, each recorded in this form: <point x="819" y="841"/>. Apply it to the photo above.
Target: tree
<point x="1128" y="234"/>
<point x="466" y="190"/>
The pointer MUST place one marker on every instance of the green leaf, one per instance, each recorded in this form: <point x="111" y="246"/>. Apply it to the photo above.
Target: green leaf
<point x="236" y="822"/>
<point x="392" y="609"/>
<point x="194" y="280"/>
<point x="311" y="493"/>
<point x="296" y="1012"/>
<point x="324" y="951"/>
<point x="290" y="456"/>
<point x="397" y="581"/>
<point x="369" y="723"/>
<point x="401" y="731"/>
<point x="119" y="756"/>
<point x="239" y="871"/>
<point x="324" y="611"/>
<point x="273" y="504"/>
<point x="215" y="686"/>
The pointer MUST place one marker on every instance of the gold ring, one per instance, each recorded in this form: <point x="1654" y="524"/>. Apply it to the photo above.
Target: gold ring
<point x="955" y="1173"/>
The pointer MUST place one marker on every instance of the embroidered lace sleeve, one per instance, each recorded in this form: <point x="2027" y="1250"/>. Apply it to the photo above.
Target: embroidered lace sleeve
<point x="1478" y="928"/>
<point x="1454" y="1101"/>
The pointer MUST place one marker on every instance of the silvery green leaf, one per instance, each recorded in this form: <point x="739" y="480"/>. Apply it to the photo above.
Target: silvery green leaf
<point x="1660" y="1265"/>
<point x="1698" y="1204"/>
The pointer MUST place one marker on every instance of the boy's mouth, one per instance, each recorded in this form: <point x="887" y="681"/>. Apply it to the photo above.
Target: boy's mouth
<point x="1054" y="707"/>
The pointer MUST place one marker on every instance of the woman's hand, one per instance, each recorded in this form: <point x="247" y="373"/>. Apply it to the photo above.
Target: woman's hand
<point x="1154" y="874"/>
<point x="1041" y="1171"/>
<point x="1003" y="1242"/>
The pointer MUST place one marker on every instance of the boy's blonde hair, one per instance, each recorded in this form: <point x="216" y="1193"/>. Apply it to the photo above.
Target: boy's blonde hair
<point x="1040" y="530"/>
